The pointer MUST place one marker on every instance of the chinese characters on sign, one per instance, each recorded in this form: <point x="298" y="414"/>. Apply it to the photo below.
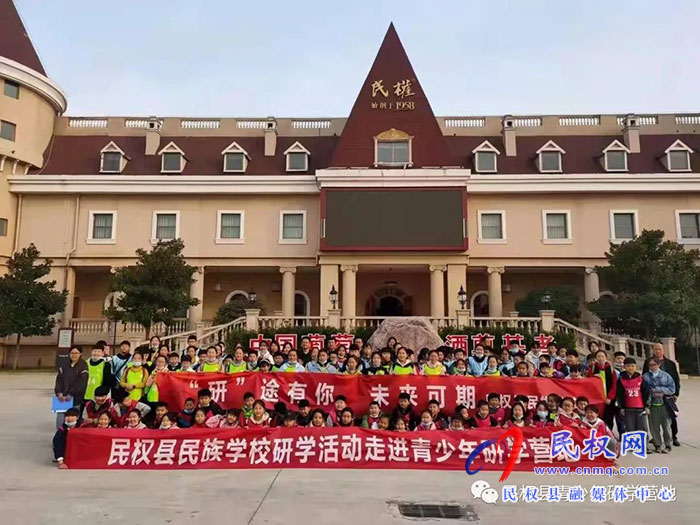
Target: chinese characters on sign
<point x="402" y="89"/>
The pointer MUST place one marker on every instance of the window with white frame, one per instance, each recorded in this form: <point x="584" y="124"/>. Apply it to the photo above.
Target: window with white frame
<point x="172" y="159"/>
<point x="8" y="130"/>
<point x="688" y="226"/>
<point x="492" y="226"/>
<point x="112" y="159"/>
<point x="615" y="156"/>
<point x="623" y="225"/>
<point x="229" y="227"/>
<point x="11" y="89"/>
<point x="485" y="158"/>
<point x="3" y="227"/>
<point x="235" y="159"/>
<point x="392" y="148"/>
<point x="102" y="227"/>
<point x="549" y="158"/>
<point x="292" y="227"/>
<point x="556" y="226"/>
<point x="297" y="157"/>
<point x="677" y="157"/>
<point x="166" y="226"/>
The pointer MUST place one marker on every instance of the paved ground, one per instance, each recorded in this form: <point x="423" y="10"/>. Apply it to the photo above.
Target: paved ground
<point x="33" y="491"/>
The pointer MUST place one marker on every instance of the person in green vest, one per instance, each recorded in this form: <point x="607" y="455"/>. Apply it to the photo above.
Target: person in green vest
<point x="403" y="365"/>
<point x="99" y="373"/>
<point x="434" y="367"/>
<point x="253" y="360"/>
<point x="186" y="364"/>
<point x="278" y="362"/>
<point x="160" y="367"/>
<point x="211" y="362"/>
<point x="239" y="364"/>
<point x="135" y="377"/>
<point x="352" y="366"/>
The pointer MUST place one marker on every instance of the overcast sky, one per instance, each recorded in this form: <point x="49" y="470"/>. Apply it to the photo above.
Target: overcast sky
<point x="309" y="58"/>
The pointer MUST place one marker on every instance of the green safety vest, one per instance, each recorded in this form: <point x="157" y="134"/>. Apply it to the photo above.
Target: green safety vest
<point x="95" y="377"/>
<point x="275" y="368"/>
<point x="134" y="376"/>
<point x="403" y="370"/>
<point x="430" y="371"/>
<point x="233" y="368"/>
<point x="209" y="367"/>
<point x="152" y="394"/>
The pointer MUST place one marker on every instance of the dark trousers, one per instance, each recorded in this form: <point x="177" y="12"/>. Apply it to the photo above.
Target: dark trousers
<point x="609" y="415"/>
<point x="635" y="419"/>
<point x="674" y="424"/>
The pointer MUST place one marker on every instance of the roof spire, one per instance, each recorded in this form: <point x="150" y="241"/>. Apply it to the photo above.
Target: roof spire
<point x="15" y="44"/>
<point x="391" y="97"/>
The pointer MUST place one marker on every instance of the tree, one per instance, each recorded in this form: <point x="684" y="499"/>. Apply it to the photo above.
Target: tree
<point x="26" y="305"/>
<point x="154" y="290"/>
<point x="563" y="300"/>
<point x="655" y="286"/>
<point x="235" y="308"/>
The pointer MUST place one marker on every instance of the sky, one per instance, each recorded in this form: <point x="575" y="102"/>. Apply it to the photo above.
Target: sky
<point x="226" y="58"/>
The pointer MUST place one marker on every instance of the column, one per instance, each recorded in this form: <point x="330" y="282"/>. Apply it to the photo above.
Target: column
<point x="288" y="288"/>
<point x="591" y="292"/>
<point x="195" y="313"/>
<point x="329" y="279"/>
<point x="495" y="294"/>
<point x="69" y="284"/>
<point x="437" y="290"/>
<point x="348" y="293"/>
<point x="456" y="277"/>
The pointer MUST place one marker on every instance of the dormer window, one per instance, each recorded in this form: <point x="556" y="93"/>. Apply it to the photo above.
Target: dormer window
<point x="615" y="156"/>
<point x="112" y="159"/>
<point x="677" y="157"/>
<point x="485" y="158"/>
<point x="172" y="159"/>
<point x="297" y="157"/>
<point x="393" y="148"/>
<point x="235" y="159"/>
<point x="549" y="158"/>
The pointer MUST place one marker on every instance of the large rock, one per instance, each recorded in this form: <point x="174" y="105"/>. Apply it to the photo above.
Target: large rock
<point x="412" y="332"/>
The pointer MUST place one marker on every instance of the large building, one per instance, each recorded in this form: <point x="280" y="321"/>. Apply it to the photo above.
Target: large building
<point x="395" y="208"/>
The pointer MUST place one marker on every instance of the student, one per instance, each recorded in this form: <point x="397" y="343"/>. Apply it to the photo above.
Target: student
<point x="525" y="402"/>
<point x="160" y="366"/>
<point x="133" y="420"/>
<point x="120" y="361"/>
<point x="186" y="364"/>
<point x="391" y="343"/>
<point x="247" y="408"/>
<point x="457" y="424"/>
<point x="477" y="361"/>
<point x="522" y="370"/>
<point x="340" y="403"/>
<point x="601" y="367"/>
<point x="292" y="364"/>
<point x="239" y="364"/>
<point x="387" y="359"/>
<point x="200" y="417"/>
<point x="304" y="414"/>
<point x="433" y="367"/>
<point x="227" y="420"/>
<point x="581" y="404"/>
<point x="101" y="404"/>
<point x="211" y="361"/>
<point x="547" y="372"/>
<point x="201" y="357"/>
<point x="70" y="420"/>
<point x="661" y="388"/>
<point x="184" y="418"/>
<point x="347" y="418"/>
<point x="123" y="403"/>
<point x="99" y="372"/>
<point x="492" y="367"/>
<point x="591" y="421"/>
<point x="553" y="405"/>
<point x="322" y="365"/>
<point x="279" y="412"/>
<point x="260" y="418"/>
<point x="441" y="422"/>
<point x="426" y="421"/>
<point x="533" y="357"/>
<point x="205" y="401"/>
<point x="400" y="425"/>
<point x="404" y="411"/>
<point x="575" y="372"/>
<point x="155" y="416"/>
<point x="567" y="415"/>
<point x="403" y="366"/>
<point x="375" y="367"/>
<point x="371" y="418"/>
<point x="135" y="377"/>
<point x="462" y="411"/>
<point x="507" y="365"/>
<point x="103" y="421"/>
<point x="290" y="420"/>
<point x="541" y="416"/>
<point x="482" y="418"/>
<point x="173" y="362"/>
<point x="460" y="368"/>
<point x="263" y="366"/>
<point x="265" y="353"/>
<point x="352" y="366"/>
<point x="619" y="362"/>
<point x="632" y="397"/>
<point x="168" y="421"/>
<point x="517" y="417"/>
<point x="72" y="379"/>
<point x="278" y="361"/>
<point x="496" y="411"/>
<point x="318" y="419"/>
<point x="384" y="422"/>
<point x="252" y="360"/>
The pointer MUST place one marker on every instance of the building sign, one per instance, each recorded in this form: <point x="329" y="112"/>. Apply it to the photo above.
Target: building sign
<point x="402" y="89"/>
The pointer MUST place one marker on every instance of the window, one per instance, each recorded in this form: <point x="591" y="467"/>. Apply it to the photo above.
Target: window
<point x="229" y="227"/>
<point x="623" y="225"/>
<point x="11" y="89"/>
<point x="292" y="227"/>
<point x="615" y="156"/>
<point x="549" y="158"/>
<point x="235" y="159"/>
<point x="556" y="226"/>
<point x="102" y="227"/>
<point x="172" y="159"/>
<point x="677" y="157"/>
<point x="688" y="226"/>
<point x="3" y="227"/>
<point x="392" y="148"/>
<point x="297" y="157"/>
<point x="111" y="162"/>
<point x="492" y="227"/>
<point x="485" y="158"/>
<point x="166" y="226"/>
<point x="7" y="130"/>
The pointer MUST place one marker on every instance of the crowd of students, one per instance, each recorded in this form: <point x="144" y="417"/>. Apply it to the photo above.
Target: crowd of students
<point x="121" y="390"/>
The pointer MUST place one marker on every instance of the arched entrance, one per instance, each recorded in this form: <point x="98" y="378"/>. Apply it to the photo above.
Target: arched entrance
<point x="389" y="301"/>
<point x="389" y="306"/>
<point x="480" y="304"/>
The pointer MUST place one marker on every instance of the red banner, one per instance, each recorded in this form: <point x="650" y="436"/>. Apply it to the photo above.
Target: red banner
<point x="309" y="448"/>
<point x="322" y="389"/>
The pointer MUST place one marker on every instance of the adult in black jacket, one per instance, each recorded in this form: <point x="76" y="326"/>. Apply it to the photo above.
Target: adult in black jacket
<point x="72" y="379"/>
<point x="671" y="369"/>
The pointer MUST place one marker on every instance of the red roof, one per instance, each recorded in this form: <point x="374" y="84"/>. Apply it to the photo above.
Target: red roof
<point x="14" y="41"/>
<point x="391" y="97"/>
